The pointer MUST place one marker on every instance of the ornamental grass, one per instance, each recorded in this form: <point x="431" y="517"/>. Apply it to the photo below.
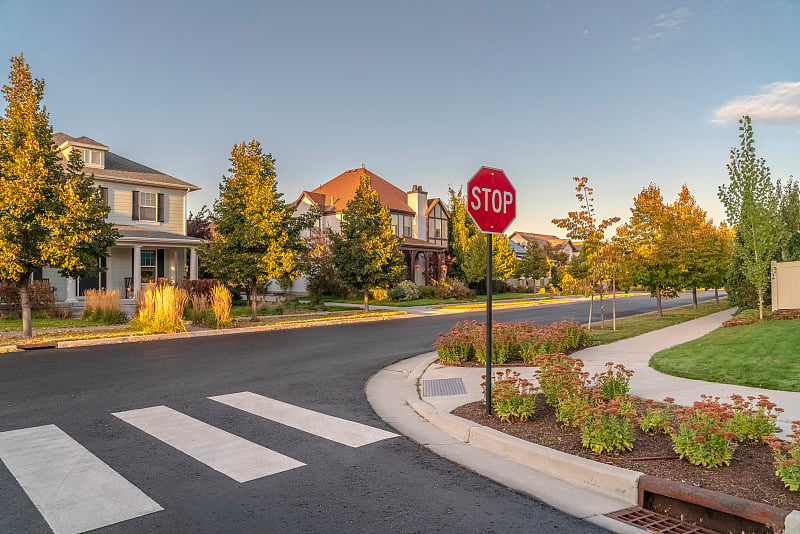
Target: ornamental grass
<point x="221" y="306"/>
<point x="103" y="306"/>
<point x="159" y="310"/>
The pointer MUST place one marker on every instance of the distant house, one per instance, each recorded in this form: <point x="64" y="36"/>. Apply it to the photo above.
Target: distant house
<point x="420" y="221"/>
<point x="564" y="245"/>
<point x="148" y="208"/>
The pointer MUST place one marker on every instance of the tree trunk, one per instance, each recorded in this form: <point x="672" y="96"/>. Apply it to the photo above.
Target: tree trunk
<point x="253" y="300"/>
<point x="591" y="303"/>
<point x="694" y="298"/>
<point x="366" y="300"/>
<point x="658" y="301"/>
<point x="602" y="310"/>
<point x="25" y="305"/>
<point x="760" y="305"/>
<point x="716" y="296"/>
<point x="614" y="302"/>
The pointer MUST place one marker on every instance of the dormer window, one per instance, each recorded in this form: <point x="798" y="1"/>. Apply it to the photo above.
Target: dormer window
<point x="92" y="158"/>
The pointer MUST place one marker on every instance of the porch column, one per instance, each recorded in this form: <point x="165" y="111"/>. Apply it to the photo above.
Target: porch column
<point x="193" y="263"/>
<point x="72" y="285"/>
<point x="137" y="269"/>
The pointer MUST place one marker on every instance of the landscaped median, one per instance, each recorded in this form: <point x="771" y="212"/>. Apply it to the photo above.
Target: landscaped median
<point x="74" y="337"/>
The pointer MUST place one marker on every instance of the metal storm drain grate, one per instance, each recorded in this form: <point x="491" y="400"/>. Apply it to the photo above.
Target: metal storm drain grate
<point x="442" y="387"/>
<point x="656" y="523"/>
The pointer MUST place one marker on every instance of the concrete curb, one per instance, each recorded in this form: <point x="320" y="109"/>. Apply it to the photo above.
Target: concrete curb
<point x="792" y="524"/>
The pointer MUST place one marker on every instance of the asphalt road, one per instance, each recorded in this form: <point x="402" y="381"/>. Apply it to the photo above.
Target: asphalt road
<point x="392" y="485"/>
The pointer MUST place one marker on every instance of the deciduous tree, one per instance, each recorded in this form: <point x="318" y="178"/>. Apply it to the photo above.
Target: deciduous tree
<point x="584" y="225"/>
<point x="751" y="204"/>
<point x="256" y="238"/>
<point x="367" y="253"/>
<point x="503" y="258"/>
<point x="50" y="211"/>
<point x="461" y="229"/>
<point x="534" y="264"/>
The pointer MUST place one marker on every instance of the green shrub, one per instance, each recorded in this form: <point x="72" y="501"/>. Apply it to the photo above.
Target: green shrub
<point x="658" y="419"/>
<point x="405" y="290"/>
<point x="606" y="430"/>
<point x="457" y="345"/>
<point x="105" y="316"/>
<point x="573" y="406"/>
<point x="753" y="418"/>
<point x="101" y="306"/>
<point x="513" y="397"/>
<point x="787" y="459"/>
<point x="614" y="382"/>
<point x="703" y="437"/>
<point x="426" y="292"/>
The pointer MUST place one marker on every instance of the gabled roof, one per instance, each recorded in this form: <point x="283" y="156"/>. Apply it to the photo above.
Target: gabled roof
<point x="119" y="169"/>
<point x="544" y="238"/>
<point x="432" y="202"/>
<point x="60" y="138"/>
<point x="336" y="193"/>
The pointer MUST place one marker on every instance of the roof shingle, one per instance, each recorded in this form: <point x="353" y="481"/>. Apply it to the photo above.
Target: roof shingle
<point x="340" y="190"/>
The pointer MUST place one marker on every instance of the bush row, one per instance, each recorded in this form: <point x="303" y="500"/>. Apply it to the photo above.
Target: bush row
<point x="510" y="341"/>
<point x="704" y="433"/>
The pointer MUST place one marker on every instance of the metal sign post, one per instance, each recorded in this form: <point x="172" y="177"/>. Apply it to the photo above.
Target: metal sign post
<point x="492" y="204"/>
<point x="488" y="324"/>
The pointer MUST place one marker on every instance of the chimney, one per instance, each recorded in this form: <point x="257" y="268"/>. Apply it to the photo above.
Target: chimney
<point x="418" y="201"/>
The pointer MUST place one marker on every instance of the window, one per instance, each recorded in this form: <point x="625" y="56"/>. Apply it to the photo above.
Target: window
<point x="92" y="158"/>
<point x="148" y="206"/>
<point x="148" y="266"/>
<point x="437" y="228"/>
<point x="407" y="225"/>
<point x="395" y="224"/>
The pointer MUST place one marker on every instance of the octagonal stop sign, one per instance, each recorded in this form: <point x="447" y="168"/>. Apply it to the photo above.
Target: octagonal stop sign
<point x="491" y="200"/>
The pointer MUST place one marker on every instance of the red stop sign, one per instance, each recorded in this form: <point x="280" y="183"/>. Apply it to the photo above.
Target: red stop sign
<point x="491" y="200"/>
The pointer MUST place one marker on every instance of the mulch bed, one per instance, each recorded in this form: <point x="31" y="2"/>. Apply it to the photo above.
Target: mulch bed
<point x="751" y="474"/>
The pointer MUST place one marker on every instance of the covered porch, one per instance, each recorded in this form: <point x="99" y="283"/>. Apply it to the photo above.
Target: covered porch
<point x="424" y="261"/>
<point x="139" y="257"/>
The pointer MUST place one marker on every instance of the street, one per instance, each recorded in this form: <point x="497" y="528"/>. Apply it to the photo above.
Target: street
<point x="383" y="483"/>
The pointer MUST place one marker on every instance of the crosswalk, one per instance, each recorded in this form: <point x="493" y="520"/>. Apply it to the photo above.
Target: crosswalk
<point x="76" y="492"/>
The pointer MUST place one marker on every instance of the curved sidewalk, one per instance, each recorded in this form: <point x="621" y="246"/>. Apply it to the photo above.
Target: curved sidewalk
<point x="404" y="395"/>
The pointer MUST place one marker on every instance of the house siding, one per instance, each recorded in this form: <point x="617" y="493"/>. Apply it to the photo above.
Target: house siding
<point x="120" y="197"/>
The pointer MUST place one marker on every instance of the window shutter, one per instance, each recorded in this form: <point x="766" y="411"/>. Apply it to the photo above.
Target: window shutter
<point x="161" y="207"/>
<point x="135" y="214"/>
<point x="104" y="196"/>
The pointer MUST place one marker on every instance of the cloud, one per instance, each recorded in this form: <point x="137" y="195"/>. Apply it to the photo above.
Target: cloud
<point x="666" y="25"/>
<point x="779" y="102"/>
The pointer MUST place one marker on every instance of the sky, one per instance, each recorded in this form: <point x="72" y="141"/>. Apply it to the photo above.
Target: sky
<point x="426" y="92"/>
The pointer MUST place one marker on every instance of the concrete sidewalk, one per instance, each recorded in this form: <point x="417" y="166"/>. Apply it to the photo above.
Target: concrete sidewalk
<point x="587" y="491"/>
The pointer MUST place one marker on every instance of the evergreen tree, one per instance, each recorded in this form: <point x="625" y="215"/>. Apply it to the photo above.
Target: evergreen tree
<point x="367" y="253"/>
<point x="256" y="238"/>
<point x="50" y="212"/>
<point x="752" y="206"/>
<point x="461" y="229"/>
<point x="534" y="263"/>
<point x="503" y="258"/>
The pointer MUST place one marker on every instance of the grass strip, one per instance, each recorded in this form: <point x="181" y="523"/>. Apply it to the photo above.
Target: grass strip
<point x="763" y="355"/>
<point x="647" y="322"/>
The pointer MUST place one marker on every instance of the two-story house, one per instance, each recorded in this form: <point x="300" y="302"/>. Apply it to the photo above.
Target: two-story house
<point x="420" y="221"/>
<point x="148" y="208"/>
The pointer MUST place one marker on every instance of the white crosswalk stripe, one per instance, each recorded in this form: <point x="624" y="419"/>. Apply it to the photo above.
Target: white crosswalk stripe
<point x="227" y="453"/>
<point x="325" y="426"/>
<point x="72" y="488"/>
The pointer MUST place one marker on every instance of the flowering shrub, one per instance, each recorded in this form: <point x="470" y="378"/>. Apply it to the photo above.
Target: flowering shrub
<point x="513" y="397"/>
<point x="526" y="341"/>
<point x="614" y="382"/>
<point x="753" y="418"/>
<point x="703" y="436"/>
<point x="554" y="373"/>
<point x="379" y="293"/>
<point x="787" y="459"/>
<point x="457" y="345"/>
<point x="405" y="290"/>
<point x="658" y="419"/>
<point x="606" y="428"/>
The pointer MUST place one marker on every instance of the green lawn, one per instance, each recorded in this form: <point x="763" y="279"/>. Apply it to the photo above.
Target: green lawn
<point x="765" y="354"/>
<point x="12" y="324"/>
<point x="244" y="310"/>
<point x="640" y="324"/>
